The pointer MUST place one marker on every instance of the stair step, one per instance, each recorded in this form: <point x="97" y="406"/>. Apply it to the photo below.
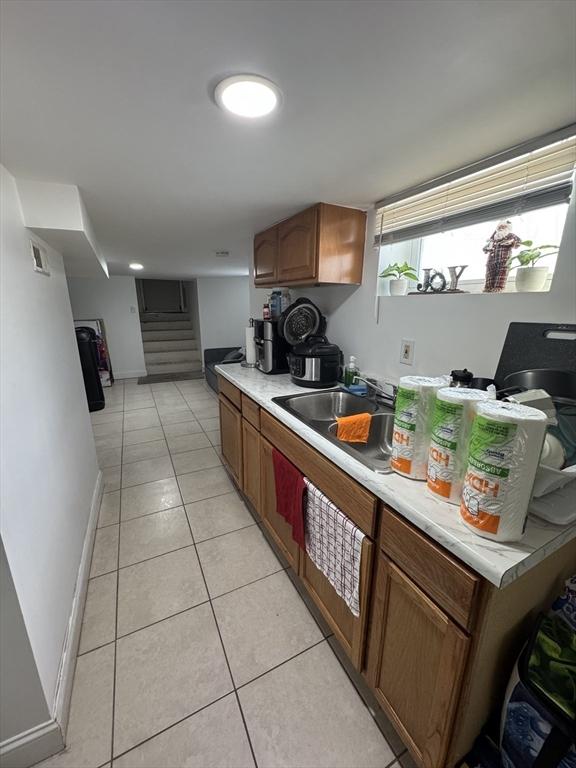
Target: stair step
<point x="181" y="367"/>
<point x="172" y="356"/>
<point x="152" y="317"/>
<point x="166" y="346"/>
<point x="161" y="325"/>
<point x="167" y="335"/>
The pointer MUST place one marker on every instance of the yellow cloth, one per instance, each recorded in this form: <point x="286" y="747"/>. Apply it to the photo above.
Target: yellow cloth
<point x="354" y="429"/>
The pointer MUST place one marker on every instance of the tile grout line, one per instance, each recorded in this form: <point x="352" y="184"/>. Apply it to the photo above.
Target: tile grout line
<point x="113" y="728"/>
<point x="225" y="654"/>
<point x="282" y="663"/>
<point x="173" y="725"/>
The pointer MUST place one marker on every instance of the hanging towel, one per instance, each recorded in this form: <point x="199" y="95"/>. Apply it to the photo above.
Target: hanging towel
<point x="334" y="544"/>
<point x="289" y="495"/>
<point x="354" y="429"/>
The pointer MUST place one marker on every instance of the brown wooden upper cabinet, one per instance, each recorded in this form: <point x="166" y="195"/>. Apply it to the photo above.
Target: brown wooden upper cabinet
<point x="266" y="257"/>
<point x="323" y="244"/>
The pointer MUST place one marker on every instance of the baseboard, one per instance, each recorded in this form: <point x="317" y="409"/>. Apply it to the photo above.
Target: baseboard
<point x="30" y="747"/>
<point x="130" y="374"/>
<point x="61" y="707"/>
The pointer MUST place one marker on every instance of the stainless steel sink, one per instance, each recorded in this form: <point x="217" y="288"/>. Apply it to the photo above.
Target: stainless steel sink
<point x="326" y="406"/>
<point x="319" y="410"/>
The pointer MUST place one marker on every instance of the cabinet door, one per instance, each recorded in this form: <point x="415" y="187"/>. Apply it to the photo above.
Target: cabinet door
<point x="416" y="663"/>
<point x="297" y="247"/>
<point x="278" y="528"/>
<point x="251" y="464"/>
<point x="231" y="437"/>
<point x="266" y="257"/>
<point x="349" y="629"/>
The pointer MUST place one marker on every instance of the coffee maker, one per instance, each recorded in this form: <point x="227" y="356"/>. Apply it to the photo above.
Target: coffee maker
<point x="271" y="348"/>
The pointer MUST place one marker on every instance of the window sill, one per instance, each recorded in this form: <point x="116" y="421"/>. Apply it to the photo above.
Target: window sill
<point x="470" y="288"/>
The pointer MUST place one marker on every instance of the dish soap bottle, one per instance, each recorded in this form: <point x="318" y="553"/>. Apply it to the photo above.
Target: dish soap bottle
<point x="350" y="372"/>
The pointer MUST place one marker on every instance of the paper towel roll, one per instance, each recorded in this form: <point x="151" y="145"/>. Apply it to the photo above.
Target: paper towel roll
<point x="454" y="412"/>
<point x="412" y="420"/>
<point x="505" y="445"/>
<point x="250" y="346"/>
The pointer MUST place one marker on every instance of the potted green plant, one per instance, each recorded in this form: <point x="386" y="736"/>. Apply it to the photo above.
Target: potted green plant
<point x="398" y="275"/>
<point x="530" y="277"/>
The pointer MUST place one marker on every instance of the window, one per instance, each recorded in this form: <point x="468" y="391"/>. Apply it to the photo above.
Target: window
<point x="450" y="224"/>
<point x="465" y="245"/>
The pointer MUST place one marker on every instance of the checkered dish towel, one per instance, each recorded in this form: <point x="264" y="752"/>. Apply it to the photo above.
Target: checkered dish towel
<point x="334" y="544"/>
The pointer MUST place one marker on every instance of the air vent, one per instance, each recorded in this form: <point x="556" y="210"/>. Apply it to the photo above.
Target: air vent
<point x="39" y="258"/>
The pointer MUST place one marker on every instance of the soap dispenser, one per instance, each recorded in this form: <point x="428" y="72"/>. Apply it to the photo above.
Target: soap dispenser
<point x="350" y="372"/>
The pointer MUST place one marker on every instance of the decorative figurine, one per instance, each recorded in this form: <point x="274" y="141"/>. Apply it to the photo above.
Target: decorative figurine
<point x="455" y="276"/>
<point x="435" y="281"/>
<point x="498" y="248"/>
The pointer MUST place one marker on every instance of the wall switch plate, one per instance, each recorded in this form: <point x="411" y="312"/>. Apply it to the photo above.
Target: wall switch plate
<point x="407" y="351"/>
<point x="133" y="310"/>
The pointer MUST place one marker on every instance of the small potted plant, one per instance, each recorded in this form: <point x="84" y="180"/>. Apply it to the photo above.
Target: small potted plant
<point x="399" y="275"/>
<point x="530" y="277"/>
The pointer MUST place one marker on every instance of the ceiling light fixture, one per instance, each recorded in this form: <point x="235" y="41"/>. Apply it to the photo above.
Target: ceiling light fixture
<point x="247" y="95"/>
<point x="136" y="266"/>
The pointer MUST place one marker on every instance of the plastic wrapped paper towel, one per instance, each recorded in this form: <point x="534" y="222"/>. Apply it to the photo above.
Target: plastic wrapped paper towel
<point x="505" y="445"/>
<point x="452" y="419"/>
<point x="250" y="347"/>
<point x="412" y="420"/>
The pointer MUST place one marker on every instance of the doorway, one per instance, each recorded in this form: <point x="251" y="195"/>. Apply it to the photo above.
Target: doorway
<point x="161" y="296"/>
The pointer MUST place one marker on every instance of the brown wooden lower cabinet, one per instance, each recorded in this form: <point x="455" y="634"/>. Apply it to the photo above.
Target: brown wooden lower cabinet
<point x="275" y="524"/>
<point x="416" y="663"/>
<point x="251" y="464"/>
<point x="231" y="437"/>
<point x="425" y="609"/>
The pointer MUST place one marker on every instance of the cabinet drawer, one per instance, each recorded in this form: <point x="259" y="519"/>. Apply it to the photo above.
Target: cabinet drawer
<point x="356" y="502"/>
<point x="450" y="584"/>
<point x="230" y="391"/>
<point x="251" y="411"/>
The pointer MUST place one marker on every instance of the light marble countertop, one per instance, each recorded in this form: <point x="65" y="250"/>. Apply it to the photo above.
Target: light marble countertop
<point x="498" y="563"/>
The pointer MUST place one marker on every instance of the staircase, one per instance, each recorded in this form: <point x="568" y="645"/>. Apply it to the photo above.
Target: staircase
<point x="170" y="344"/>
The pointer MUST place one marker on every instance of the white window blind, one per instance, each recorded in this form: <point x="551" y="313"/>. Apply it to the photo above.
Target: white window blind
<point x="532" y="180"/>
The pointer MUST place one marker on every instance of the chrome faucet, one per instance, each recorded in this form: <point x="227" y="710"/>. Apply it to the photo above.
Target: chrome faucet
<point x="378" y="392"/>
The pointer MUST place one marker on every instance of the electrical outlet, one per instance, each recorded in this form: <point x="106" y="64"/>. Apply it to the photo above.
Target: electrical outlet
<point x="407" y="351"/>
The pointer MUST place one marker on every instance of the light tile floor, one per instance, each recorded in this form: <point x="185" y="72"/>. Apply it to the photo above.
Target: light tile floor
<point x="196" y="649"/>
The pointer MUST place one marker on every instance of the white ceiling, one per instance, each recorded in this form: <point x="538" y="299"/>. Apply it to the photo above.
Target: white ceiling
<point x="115" y="96"/>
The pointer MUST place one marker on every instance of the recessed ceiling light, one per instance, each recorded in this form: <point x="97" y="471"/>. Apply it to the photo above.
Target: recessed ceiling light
<point x="247" y="95"/>
<point x="136" y="266"/>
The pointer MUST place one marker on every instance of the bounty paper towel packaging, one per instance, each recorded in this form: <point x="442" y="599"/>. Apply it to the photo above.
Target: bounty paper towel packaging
<point x="452" y="419"/>
<point x="412" y="419"/>
<point x="505" y="445"/>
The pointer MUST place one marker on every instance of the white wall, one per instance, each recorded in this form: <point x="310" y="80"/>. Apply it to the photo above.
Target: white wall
<point x="22" y="704"/>
<point x="450" y="331"/>
<point x="48" y="460"/>
<point x="224" y="310"/>
<point x="112" y="299"/>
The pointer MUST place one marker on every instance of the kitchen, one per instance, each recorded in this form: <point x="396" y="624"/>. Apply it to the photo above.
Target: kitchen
<point x="468" y="601"/>
<point x="273" y="533"/>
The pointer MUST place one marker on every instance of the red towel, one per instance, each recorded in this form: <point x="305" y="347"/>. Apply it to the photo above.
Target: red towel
<point x="289" y="495"/>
